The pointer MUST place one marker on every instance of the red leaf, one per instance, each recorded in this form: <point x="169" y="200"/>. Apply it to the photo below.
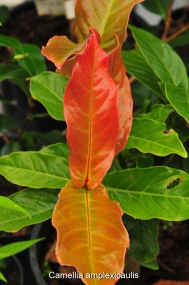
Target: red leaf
<point x="125" y="103"/>
<point x="60" y="48"/>
<point x="91" y="235"/>
<point x="90" y="109"/>
<point x="108" y="17"/>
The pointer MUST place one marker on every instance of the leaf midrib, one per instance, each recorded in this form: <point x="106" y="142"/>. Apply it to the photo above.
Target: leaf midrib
<point x="46" y="88"/>
<point x="134" y="192"/>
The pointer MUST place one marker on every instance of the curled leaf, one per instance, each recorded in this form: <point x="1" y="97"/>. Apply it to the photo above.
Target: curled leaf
<point x="60" y="48"/>
<point x="91" y="235"/>
<point x="90" y="109"/>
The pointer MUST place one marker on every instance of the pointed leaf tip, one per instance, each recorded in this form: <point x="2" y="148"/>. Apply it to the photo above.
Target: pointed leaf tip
<point x="91" y="235"/>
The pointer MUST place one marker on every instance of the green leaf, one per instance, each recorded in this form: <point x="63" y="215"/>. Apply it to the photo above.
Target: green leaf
<point x="32" y="60"/>
<point x="144" y="161"/>
<point x="15" y="247"/>
<point x="10" y="147"/>
<point x="16" y="73"/>
<point x="159" y="7"/>
<point x="58" y="149"/>
<point x="48" y="88"/>
<point x="2" y="277"/>
<point x="37" y="140"/>
<point x="149" y="136"/>
<point x="8" y="204"/>
<point x="4" y="14"/>
<point x="178" y="98"/>
<point x="36" y="169"/>
<point x="159" y="113"/>
<point x="143" y="235"/>
<point x="156" y="192"/>
<point x="38" y="202"/>
<point x="12" y="71"/>
<point x="162" y="58"/>
<point x="11" y="42"/>
<point x="140" y="94"/>
<point x="137" y="66"/>
<point x="6" y="124"/>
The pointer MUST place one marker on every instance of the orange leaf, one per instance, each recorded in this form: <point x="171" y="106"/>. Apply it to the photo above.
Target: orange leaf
<point x="125" y="102"/>
<point x="60" y="48"/>
<point x="90" y="109"/>
<point x="91" y="235"/>
<point x="108" y="17"/>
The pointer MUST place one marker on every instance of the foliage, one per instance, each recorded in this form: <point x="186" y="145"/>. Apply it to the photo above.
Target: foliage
<point x="13" y="248"/>
<point x="147" y="176"/>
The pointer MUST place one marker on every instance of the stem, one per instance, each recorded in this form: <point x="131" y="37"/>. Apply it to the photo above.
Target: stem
<point x="5" y="138"/>
<point x="168" y="21"/>
<point x="176" y="34"/>
<point x="27" y="118"/>
<point x="167" y="26"/>
<point x="169" y="159"/>
<point x="132" y="79"/>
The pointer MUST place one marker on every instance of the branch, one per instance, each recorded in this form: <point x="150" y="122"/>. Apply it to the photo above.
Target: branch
<point x="5" y="138"/>
<point x="176" y="34"/>
<point x="168" y="21"/>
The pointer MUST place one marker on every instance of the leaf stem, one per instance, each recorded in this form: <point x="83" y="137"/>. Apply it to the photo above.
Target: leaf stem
<point x="26" y="120"/>
<point x="5" y="138"/>
<point x="176" y="34"/>
<point x="168" y="21"/>
<point x="167" y="26"/>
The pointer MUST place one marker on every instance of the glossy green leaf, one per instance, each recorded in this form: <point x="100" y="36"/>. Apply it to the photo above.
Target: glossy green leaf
<point x="59" y="149"/>
<point x="12" y="71"/>
<point x="38" y="202"/>
<point x="8" y="204"/>
<point x="90" y="109"/>
<point x="32" y="60"/>
<point x="156" y="192"/>
<point x="144" y="161"/>
<point x="178" y="98"/>
<point x="15" y="247"/>
<point x="36" y="169"/>
<point x="42" y="139"/>
<point x="10" y="147"/>
<point x="159" y="113"/>
<point x="143" y="235"/>
<point x="101" y="16"/>
<point x="28" y="55"/>
<point x="150" y="136"/>
<point x="48" y="88"/>
<point x="7" y="41"/>
<point x="2" y="277"/>
<point x="159" y="7"/>
<point x="91" y="235"/>
<point x="164" y="61"/>
<point x="4" y="14"/>
<point x="6" y="124"/>
<point x="137" y="66"/>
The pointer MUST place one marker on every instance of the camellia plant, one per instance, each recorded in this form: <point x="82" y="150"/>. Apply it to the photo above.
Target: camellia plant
<point x="108" y="166"/>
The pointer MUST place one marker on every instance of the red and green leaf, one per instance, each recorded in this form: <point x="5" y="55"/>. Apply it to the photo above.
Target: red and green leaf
<point x="60" y="48"/>
<point x="107" y="17"/>
<point x="90" y="109"/>
<point x="125" y="102"/>
<point x="91" y="235"/>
